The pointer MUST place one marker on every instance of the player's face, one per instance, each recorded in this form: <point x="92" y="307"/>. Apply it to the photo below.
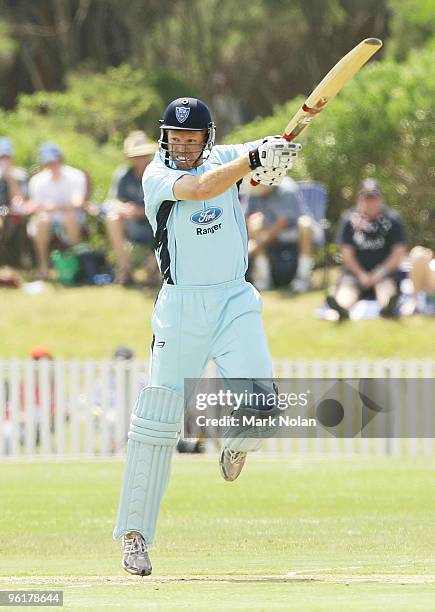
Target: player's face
<point x="185" y="147"/>
<point x="370" y="205"/>
<point x="54" y="167"/>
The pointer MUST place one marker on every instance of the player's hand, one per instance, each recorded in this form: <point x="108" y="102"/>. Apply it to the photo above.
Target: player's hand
<point x="274" y="152"/>
<point x="49" y="206"/>
<point x="267" y="176"/>
<point x="127" y="210"/>
<point x="252" y="246"/>
<point x="378" y="274"/>
<point x="365" y="280"/>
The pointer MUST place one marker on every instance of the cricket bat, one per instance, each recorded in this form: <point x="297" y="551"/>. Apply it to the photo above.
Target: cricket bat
<point x="329" y="87"/>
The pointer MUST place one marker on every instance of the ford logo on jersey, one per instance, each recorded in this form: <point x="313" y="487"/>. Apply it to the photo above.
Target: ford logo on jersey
<point x="206" y="215"/>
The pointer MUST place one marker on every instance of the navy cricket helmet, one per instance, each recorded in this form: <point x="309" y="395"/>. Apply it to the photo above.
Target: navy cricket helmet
<point x="187" y="114"/>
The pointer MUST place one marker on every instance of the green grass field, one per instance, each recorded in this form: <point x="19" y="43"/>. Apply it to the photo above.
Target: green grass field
<point x="295" y="534"/>
<point x="89" y="322"/>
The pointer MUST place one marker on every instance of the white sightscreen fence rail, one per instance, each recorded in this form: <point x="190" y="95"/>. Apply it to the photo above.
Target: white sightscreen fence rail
<point x="73" y="408"/>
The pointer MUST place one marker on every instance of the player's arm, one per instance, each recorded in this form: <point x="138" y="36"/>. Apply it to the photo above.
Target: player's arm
<point x="350" y="262"/>
<point x="126" y="208"/>
<point x="15" y="191"/>
<point x="267" y="236"/>
<point x="119" y="198"/>
<point x="213" y="182"/>
<point x="79" y="192"/>
<point x="274" y="152"/>
<point x="391" y="264"/>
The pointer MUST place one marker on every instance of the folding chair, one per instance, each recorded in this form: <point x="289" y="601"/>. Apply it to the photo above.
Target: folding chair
<point x="315" y="199"/>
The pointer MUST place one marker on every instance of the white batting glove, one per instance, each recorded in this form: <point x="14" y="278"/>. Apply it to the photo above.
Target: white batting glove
<point x="274" y="152"/>
<point x="268" y="176"/>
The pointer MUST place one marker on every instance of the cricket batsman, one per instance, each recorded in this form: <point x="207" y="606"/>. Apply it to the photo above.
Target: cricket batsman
<point x="205" y="308"/>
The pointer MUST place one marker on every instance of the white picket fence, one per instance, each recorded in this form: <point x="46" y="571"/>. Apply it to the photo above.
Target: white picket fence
<point x="82" y="407"/>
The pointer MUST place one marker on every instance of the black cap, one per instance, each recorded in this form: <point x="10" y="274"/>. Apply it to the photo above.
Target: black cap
<point x="186" y="114"/>
<point x="369" y="187"/>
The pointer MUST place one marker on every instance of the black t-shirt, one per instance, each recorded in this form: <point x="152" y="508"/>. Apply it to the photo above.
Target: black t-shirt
<point x="4" y="193"/>
<point x="129" y="188"/>
<point x="371" y="239"/>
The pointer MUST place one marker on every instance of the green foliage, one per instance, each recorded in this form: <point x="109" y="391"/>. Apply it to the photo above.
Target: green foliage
<point x="380" y="125"/>
<point x="7" y="44"/>
<point x="28" y="131"/>
<point x="245" y="56"/>
<point x="105" y="106"/>
<point x="412" y="25"/>
<point x="91" y="119"/>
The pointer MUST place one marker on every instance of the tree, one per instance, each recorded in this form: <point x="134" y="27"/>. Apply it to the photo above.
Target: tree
<point x="381" y="125"/>
<point x="412" y="26"/>
<point x="242" y="58"/>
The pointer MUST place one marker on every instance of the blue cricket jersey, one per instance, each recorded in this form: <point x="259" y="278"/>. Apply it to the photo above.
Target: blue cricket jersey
<point x="197" y="243"/>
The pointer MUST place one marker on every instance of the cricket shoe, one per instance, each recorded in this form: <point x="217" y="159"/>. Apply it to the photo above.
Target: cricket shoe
<point x="390" y="310"/>
<point x="231" y="463"/>
<point x="135" y="559"/>
<point x="343" y="313"/>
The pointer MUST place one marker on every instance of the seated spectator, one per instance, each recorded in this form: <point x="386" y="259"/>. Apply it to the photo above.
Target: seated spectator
<point x="422" y="275"/>
<point x="281" y="237"/>
<point x="14" y="180"/>
<point x="57" y="199"/>
<point x="125" y="208"/>
<point x="371" y="238"/>
<point x="13" y="192"/>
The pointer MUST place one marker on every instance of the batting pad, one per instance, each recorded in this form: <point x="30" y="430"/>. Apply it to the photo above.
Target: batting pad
<point x="153" y="435"/>
<point x="248" y="438"/>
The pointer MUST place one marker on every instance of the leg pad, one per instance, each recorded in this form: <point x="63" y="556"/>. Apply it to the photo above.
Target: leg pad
<point x="154" y="429"/>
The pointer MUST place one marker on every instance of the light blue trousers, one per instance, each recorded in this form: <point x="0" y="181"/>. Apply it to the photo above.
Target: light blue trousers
<point x="190" y="326"/>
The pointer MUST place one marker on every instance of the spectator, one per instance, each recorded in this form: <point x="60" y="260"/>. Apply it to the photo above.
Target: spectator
<point x="40" y="352"/>
<point x="371" y="238"/>
<point x="14" y="180"/>
<point x="13" y="192"/>
<point x="422" y="275"/>
<point x="119" y="404"/>
<point x="30" y="408"/>
<point x="281" y="237"/>
<point x="57" y="199"/>
<point x="126" y="210"/>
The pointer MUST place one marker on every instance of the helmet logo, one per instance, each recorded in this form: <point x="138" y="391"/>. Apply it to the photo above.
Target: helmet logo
<point x="181" y="113"/>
